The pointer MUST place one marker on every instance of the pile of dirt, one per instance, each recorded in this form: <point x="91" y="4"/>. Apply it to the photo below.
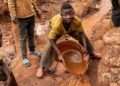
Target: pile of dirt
<point x="109" y="67"/>
<point x="7" y="40"/>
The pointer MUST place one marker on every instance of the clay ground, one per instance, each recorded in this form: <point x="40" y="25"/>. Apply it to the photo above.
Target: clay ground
<point x="95" y="24"/>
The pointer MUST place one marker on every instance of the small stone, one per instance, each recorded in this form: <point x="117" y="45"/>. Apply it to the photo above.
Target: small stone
<point x="119" y="82"/>
<point x="112" y="37"/>
<point x="115" y="70"/>
<point x="113" y="84"/>
<point x="106" y="76"/>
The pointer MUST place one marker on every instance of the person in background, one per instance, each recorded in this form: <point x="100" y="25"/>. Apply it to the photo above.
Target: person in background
<point x="23" y="14"/>
<point x="116" y="12"/>
<point x="64" y="23"/>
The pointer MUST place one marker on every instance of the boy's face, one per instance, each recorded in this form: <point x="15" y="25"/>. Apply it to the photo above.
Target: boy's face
<point x="67" y="15"/>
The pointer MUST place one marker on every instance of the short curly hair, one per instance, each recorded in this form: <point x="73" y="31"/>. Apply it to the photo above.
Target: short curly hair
<point x="66" y="5"/>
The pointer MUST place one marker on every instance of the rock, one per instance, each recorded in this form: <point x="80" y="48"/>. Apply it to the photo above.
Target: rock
<point x="112" y="56"/>
<point x="111" y="60"/>
<point x="115" y="70"/>
<point x="41" y="31"/>
<point x="112" y="36"/>
<point x="113" y="84"/>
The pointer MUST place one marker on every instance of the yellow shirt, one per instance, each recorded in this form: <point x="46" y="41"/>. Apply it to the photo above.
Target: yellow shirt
<point x="57" y="27"/>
